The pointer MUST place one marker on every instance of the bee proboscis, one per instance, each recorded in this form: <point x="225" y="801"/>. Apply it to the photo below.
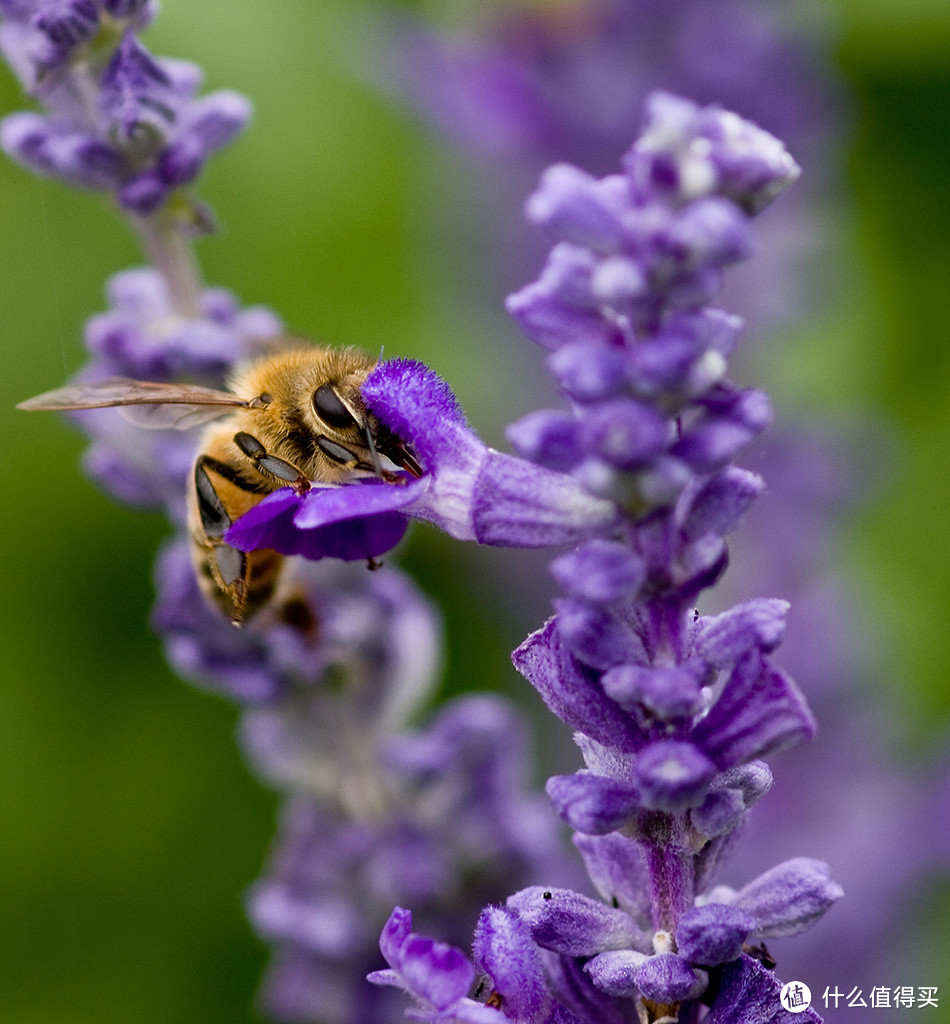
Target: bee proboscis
<point x="291" y="419"/>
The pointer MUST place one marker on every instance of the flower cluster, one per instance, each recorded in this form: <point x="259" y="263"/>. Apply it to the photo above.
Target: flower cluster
<point x="535" y="84"/>
<point x="672" y="709"/>
<point x="117" y="119"/>
<point x="144" y="336"/>
<point x="530" y="84"/>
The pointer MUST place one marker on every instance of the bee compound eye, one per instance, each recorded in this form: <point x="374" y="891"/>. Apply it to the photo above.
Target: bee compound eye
<point x="330" y="408"/>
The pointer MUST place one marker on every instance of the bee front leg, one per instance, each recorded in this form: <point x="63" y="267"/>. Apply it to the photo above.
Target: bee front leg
<point x="271" y="465"/>
<point x="227" y="566"/>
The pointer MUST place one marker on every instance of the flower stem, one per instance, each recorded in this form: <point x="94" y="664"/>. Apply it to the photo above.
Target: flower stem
<point x="173" y="256"/>
<point x="671" y="882"/>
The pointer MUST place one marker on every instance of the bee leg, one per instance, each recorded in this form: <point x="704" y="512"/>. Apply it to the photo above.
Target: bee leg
<point x="227" y="565"/>
<point x="337" y="453"/>
<point x="280" y="469"/>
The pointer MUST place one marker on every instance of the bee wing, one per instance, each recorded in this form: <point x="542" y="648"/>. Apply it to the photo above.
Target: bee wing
<point x="161" y="405"/>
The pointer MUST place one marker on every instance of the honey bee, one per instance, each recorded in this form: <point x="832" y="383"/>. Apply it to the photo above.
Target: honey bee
<point x="291" y="419"/>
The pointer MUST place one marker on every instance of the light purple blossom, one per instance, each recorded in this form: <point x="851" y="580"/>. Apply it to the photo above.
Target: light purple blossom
<point x="117" y="119"/>
<point x="673" y="710"/>
<point x="145" y="336"/>
<point x="535" y="84"/>
<point x="437" y="975"/>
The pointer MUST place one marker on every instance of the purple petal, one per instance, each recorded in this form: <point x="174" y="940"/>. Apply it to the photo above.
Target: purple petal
<point x="505" y="951"/>
<point x="571" y="924"/>
<point x="625" y="433"/>
<point x="353" y="540"/>
<point x="614" y="971"/>
<point x="600" y="571"/>
<point x="321" y="506"/>
<point x="595" y="636"/>
<point x="667" y="978"/>
<point x="789" y="897"/>
<point x="551" y="323"/>
<point x="573" y="206"/>
<point x="351" y="523"/>
<point x="656" y="692"/>
<point x="589" y="371"/>
<point x="749" y="994"/>
<point x="712" y="934"/>
<point x="723" y="639"/>
<point x="720" y="813"/>
<point x="548" y="437"/>
<point x="394" y="934"/>
<point x="68" y="23"/>
<point x="269" y="524"/>
<point x="722" y="502"/>
<point x="618" y="869"/>
<point x="760" y="710"/>
<point x="592" y="804"/>
<point x="710" y="231"/>
<point x="518" y="504"/>
<point x="571" y="693"/>
<point x="672" y="775"/>
<point x="435" y="971"/>
<point x="417" y="405"/>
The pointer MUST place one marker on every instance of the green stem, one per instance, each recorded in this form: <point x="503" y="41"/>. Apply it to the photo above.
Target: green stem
<point x="172" y="255"/>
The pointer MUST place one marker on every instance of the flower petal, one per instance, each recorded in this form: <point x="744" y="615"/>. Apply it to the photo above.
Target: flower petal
<point x="789" y="897"/>
<point x="591" y="803"/>
<point x="520" y="504"/>
<point x="712" y="934"/>
<point x="667" y="978"/>
<point x="569" y="923"/>
<point x="505" y="951"/>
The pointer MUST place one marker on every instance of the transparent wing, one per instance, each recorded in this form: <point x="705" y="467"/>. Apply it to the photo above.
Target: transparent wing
<point x="159" y="405"/>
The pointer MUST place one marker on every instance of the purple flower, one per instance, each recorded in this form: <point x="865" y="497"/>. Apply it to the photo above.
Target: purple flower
<point x="466" y="489"/>
<point x="117" y="119"/>
<point x="624" y="957"/>
<point x="749" y="994"/>
<point x="437" y="975"/>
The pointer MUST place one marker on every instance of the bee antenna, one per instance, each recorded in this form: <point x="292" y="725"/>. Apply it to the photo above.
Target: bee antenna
<point x="374" y="455"/>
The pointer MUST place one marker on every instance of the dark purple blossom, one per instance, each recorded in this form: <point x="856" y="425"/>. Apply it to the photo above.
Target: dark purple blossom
<point x="438" y="976"/>
<point x="466" y="489"/>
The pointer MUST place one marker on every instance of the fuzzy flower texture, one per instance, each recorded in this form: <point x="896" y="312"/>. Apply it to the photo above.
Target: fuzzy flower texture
<point x="673" y="710"/>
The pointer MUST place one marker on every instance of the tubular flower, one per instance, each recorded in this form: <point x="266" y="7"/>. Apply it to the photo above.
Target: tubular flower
<point x="467" y="489"/>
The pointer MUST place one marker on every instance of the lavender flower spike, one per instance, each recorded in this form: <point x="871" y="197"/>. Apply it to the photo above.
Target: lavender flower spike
<point x="466" y="489"/>
<point x="672" y="710"/>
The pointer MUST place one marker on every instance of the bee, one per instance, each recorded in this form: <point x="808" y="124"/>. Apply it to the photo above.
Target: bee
<point x="289" y="419"/>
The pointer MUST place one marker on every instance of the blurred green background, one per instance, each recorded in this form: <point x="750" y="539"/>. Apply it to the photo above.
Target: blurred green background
<point x="128" y="824"/>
